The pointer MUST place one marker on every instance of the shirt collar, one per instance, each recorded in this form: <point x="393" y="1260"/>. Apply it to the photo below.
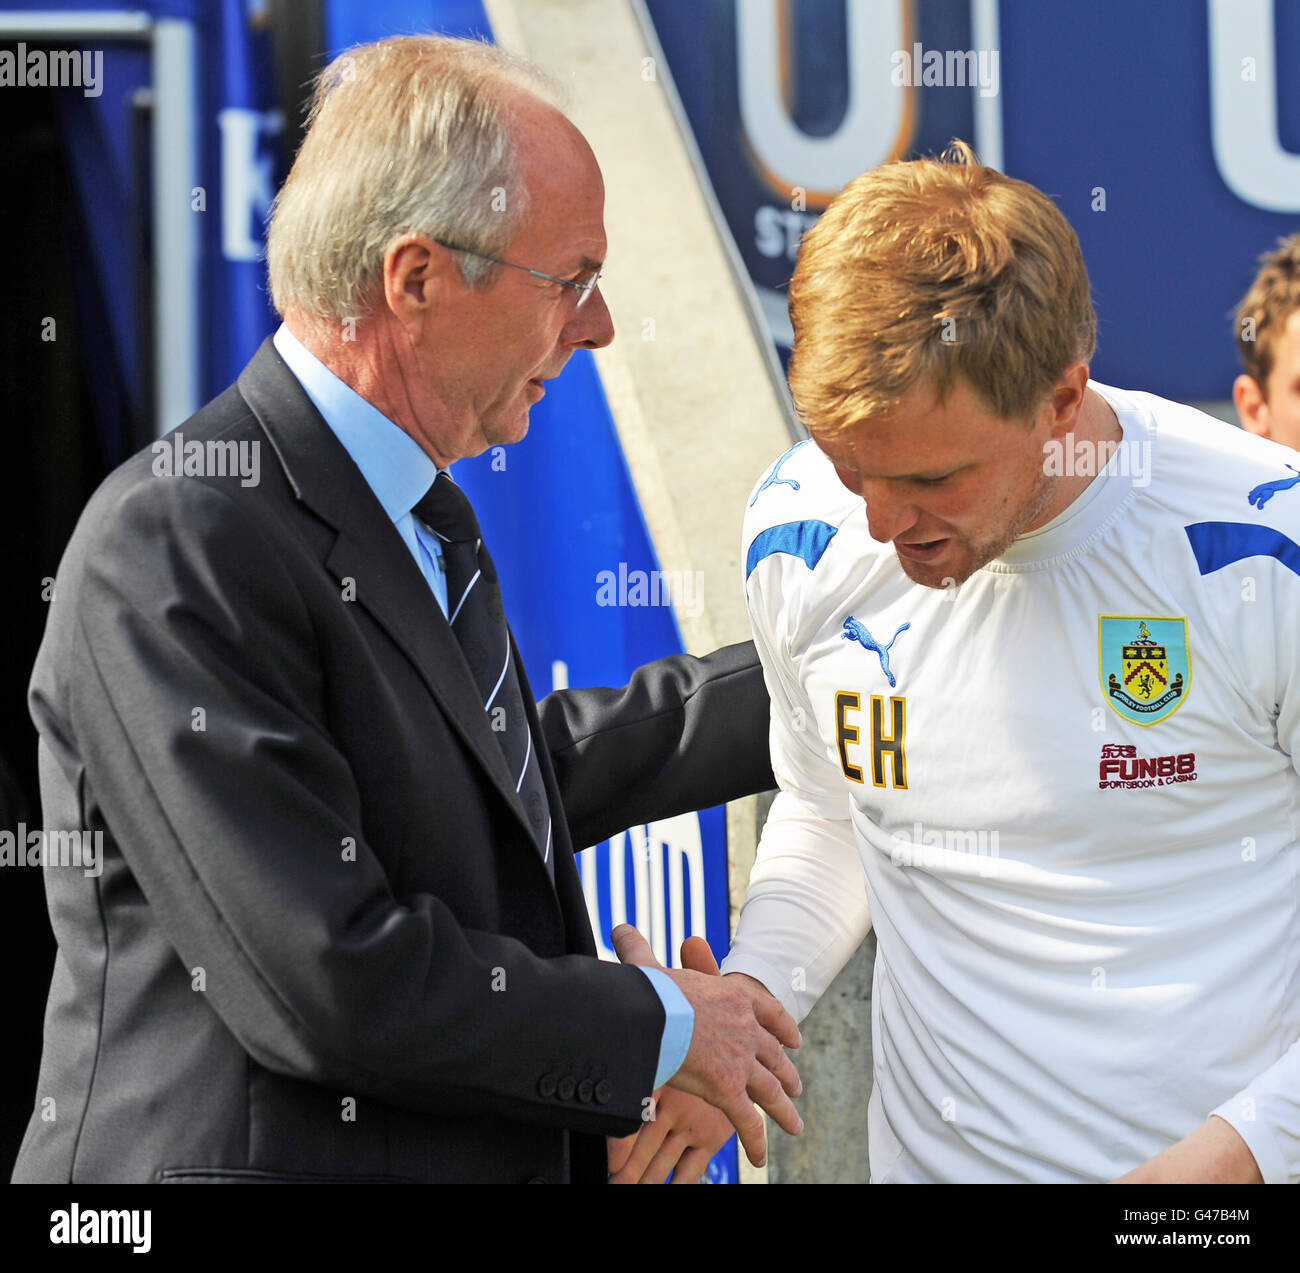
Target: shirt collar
<point x="393" y="463"/>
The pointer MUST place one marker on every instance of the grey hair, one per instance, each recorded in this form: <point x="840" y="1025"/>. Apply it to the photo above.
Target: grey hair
<point x="405" y="136"/>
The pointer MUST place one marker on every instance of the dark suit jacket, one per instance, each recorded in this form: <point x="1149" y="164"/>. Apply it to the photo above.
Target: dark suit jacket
<point x="324" y="945"/>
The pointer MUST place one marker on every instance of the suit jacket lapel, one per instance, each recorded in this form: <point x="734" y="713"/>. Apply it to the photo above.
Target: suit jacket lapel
<point x="369" y="559"/>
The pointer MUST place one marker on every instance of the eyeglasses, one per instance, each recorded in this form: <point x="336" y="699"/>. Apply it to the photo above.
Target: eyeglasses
<point x="583" y="286"/>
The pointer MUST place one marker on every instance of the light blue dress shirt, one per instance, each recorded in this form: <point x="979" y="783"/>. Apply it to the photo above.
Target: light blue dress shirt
<point x="399" y="472"/>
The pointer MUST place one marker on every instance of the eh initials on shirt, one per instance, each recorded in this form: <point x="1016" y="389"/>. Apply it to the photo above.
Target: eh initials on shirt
<point x="884" y="746"/>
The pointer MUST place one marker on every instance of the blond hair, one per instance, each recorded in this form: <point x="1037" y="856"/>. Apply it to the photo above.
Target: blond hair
<point x="1273" y="297"/>
<point x="930" y="271"/>
<point x="407" y="135"/>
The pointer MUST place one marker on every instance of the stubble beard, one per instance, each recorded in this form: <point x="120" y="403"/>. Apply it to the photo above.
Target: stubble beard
<point x="975" y="554"/>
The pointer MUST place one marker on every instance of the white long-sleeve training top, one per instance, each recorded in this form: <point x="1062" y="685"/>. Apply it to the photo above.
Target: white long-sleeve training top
<point x="1066" y="795"/>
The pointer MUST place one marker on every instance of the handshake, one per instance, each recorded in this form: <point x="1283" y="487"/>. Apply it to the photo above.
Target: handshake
<point x="735" y="1061"/>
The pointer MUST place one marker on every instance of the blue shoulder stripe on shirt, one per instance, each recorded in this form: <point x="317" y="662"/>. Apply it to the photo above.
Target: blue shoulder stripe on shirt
<point x="808" y="540"/>
<point x="1219" y="544"/>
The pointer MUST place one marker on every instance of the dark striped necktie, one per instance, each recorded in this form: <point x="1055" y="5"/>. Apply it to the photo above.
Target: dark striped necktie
<point x="478" y="619"/>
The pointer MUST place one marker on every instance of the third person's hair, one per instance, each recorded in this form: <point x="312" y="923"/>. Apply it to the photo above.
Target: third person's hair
<point x="1273" y="297"/>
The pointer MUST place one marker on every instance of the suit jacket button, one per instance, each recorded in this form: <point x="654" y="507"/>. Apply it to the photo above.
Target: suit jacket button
<point x="566" y="1089"/>
<point x="604" y="1090"/>
<point x="586" y="1089"/>
<point x="548" y="1085"/>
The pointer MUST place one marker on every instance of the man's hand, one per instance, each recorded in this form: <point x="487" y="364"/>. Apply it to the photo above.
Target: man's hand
<point x="685" y="1131"/>
<point x="735" y="1058"/>
<point x="1214" y="1154"/>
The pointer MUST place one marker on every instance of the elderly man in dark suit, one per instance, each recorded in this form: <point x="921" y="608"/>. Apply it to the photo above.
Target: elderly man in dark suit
<point x="339" y="933"/>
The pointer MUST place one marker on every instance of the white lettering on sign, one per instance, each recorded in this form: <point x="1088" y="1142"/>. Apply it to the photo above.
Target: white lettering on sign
<point x="1243" y="106"/>
<point x="877" y="121"/>
<point x="247" y="184"/>
<point x="658" y="897"/>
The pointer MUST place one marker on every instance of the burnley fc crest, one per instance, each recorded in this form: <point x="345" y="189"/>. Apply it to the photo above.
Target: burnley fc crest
<point x="1145" y="665"/>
